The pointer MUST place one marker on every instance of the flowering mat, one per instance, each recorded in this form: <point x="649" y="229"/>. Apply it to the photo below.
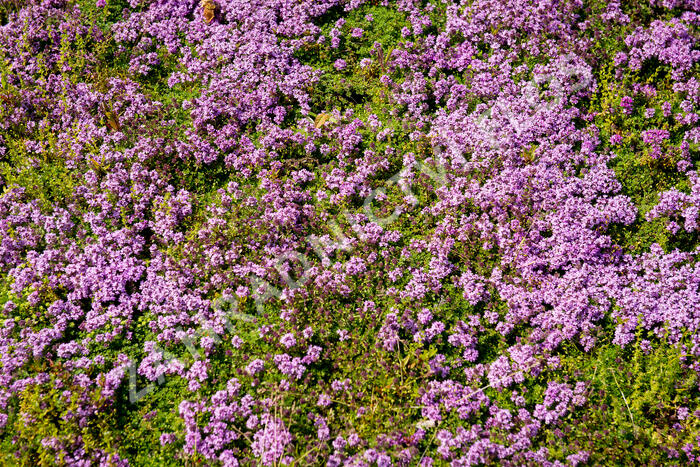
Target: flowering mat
<point x="349" y="232"/>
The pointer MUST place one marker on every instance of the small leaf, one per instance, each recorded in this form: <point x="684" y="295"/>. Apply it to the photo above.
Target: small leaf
<point x="94" y="163"/>
<point x="112" y="120"/>
<point x="321" y="119"/>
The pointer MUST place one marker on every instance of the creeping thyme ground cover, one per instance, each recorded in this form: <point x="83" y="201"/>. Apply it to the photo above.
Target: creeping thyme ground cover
<point x="349" y="232"/>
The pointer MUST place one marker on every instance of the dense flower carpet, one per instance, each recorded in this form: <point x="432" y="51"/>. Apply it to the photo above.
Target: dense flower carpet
<point x="349" y="232"/>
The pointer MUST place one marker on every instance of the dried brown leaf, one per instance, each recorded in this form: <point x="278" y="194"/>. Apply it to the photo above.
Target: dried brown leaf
<point x="208" y="10"/>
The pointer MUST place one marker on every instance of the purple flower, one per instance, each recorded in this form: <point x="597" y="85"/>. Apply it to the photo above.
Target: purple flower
<point x="339" y="64"/>
<point x="167" y="438"/>
<point x="324" y="400"/>
<point x="339" y="443"/>
<point x="290" y="366"/>
<point x="627" y="103"/>
<point x="615" y="140"/>
<point x="255" y="366"/>
<point x="270" y="442"/>
<point x="288" y="340"/>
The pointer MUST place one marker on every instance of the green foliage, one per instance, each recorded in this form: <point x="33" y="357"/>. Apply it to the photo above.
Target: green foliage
<point x="633" y="400"/>
<point x="633" y="395"/>
<point x="49" y="414"/>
